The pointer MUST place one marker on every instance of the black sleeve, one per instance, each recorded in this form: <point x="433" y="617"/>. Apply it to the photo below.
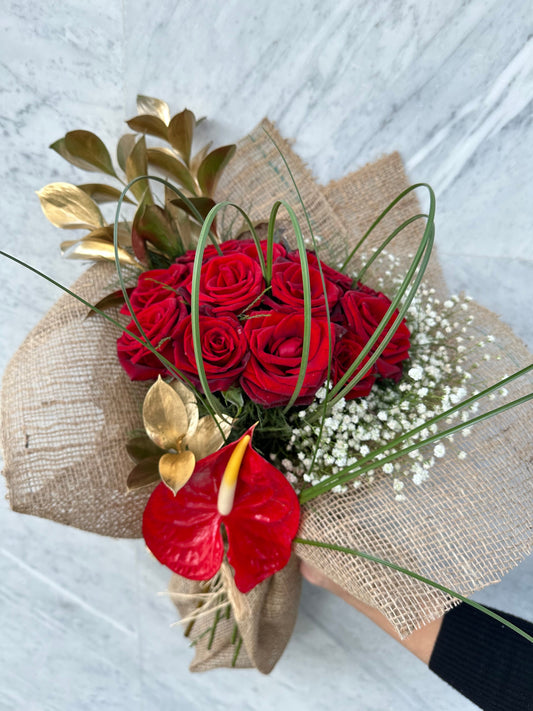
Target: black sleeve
<point x="485" y="661"/>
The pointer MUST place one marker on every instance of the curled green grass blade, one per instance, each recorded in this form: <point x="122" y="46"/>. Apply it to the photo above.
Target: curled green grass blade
<point x="306" y="285"/>
<point x="324" y="409"/>
<point x="195" y="292"/>
<point x="416" y="576"/>
<point x="376" y="222"/>
<point x="420" y="261"/>
<point x="386" y="242"/>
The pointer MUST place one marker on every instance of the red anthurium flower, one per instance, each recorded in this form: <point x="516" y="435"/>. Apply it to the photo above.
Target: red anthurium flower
<point x="184" y="531"/>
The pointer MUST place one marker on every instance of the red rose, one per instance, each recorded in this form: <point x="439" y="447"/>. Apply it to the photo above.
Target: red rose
<point x="338" y="278"/>
<point x="347" y="349"/>
<point x="232" y="282"/>
<point x="159" y="322"/>
<point x="210" y="251"/>
<point x="158" y="285"/>
<point x="362" y="313"/>
<point x="224" y="350"/>
<point x="287" y="292"/>
<point x="275" y="341"/>
<point x="248" y="247"/>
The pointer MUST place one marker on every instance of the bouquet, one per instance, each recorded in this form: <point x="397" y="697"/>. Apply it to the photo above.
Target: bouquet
<point x="288" y="377"/>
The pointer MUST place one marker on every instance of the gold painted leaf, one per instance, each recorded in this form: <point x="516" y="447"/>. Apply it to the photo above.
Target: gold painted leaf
<point x="155" y="107"/>
<point x="208" y="438"/>
<point x="181" y="132"/>
<point x="59" y="147"/>
<point x="164" y="415"/>
<point x="175" y="470"/>
<point x="124" y="148"/>
<point x="188" y="398"/>
<point x="96" y="249"/>
<point x="86" y="146"/>
<point x="149" y="124"/>
<point x="143" y="474"/>
<point x="67" y="206"/>
<point x="166" y="161"/>
<point x="103" y="193"/>
<point x="198" y="158"/>
<point x="141" y="447"/>
<point x="212" y="166"/>
<point x="137" y="165"/>
<point x="106" y="233"/>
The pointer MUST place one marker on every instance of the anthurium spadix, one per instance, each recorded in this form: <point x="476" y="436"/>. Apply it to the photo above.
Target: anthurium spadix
<point x="184" y="532"/>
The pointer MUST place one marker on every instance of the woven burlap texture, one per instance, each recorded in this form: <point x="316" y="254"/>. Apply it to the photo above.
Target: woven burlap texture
<point x="265" y="618"/>
<point x="67" y="409"/>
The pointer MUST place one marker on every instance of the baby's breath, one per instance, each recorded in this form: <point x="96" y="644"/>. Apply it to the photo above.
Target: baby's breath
<point x="434" y="380"/>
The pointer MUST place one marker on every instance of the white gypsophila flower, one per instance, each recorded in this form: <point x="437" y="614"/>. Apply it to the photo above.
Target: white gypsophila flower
<point x="415" y="373"/>
<point x="439" y="451"/>
<point x="436" y="376"/>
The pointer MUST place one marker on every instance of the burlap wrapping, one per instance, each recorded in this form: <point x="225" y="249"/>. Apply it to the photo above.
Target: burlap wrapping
<point x="67" y="409"/>
<point x="265" y="617"/>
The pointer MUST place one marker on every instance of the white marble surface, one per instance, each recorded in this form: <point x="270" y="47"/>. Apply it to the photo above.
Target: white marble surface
<point x="450" y="85"/>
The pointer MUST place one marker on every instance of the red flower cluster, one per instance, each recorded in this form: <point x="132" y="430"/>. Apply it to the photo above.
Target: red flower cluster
<point x="252" y="335"/>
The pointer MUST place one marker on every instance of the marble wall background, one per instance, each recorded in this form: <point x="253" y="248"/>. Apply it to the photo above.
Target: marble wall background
<point x="449" y="85"/>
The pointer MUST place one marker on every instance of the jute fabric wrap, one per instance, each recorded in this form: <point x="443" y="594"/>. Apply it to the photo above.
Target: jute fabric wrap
<point x="67" y="409"/>
<point x="265" y="618"/>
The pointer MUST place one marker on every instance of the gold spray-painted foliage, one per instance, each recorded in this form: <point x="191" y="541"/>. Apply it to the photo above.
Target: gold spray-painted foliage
<point x="161" y="228"/>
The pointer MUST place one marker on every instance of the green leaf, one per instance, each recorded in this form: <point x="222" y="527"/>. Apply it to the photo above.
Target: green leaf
<point x="154" y="224"/>
<point x="149" y="124"/>
<point x="181" y="132"/>
<point x="137" y="165"/>
<point x="166" y="161"/>
<point x="86" y="146"/>
<point x="212" y="166"/>
<point x="234" y="396"/>
<point x="154" y="107"/>
<point x="124" y="148"/>
<point x="116" y="298"/>
<point x="144" y="474"/>
<point x="140" y="447"/>
<point x="102" y="193"/>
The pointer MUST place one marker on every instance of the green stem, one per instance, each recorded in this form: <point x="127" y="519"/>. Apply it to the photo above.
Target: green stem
<point x="237" y="650"/>
<point x="213" y="630"/>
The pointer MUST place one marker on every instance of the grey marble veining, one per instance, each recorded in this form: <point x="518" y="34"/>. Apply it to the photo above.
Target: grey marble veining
<point x="450" y="86"/>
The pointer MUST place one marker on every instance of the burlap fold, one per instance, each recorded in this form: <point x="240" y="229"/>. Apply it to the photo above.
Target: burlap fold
<point x="265" y="618"/>
<point x="67" y="408"/>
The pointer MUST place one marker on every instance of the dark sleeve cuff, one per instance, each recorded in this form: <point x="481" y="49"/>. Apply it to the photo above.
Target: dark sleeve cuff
<point x="485" y="661"/>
